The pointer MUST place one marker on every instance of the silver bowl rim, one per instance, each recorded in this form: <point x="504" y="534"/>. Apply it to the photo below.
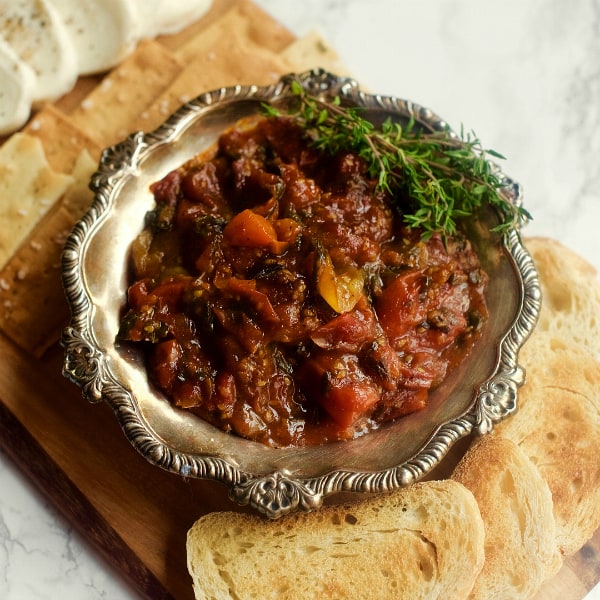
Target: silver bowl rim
<point x="279" y="492"/>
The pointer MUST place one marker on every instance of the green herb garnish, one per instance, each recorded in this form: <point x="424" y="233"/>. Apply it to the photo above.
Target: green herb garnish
<point x="446" y="177"/>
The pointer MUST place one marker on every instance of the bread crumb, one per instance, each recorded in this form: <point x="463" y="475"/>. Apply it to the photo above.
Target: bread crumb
<point x="4" y="285"/>
<point x="87" y="104"/>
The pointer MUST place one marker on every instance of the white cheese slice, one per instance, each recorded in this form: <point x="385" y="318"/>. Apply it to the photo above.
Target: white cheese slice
<point x="37" y="35"/>
<point x="169" y="16"/>
<point x="17" y="81"/>
<point x="103" y="32"/>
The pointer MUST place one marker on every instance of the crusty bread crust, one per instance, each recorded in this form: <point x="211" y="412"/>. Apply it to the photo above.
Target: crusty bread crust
<point x="516" y="506"/>
<point x="425" y="541"/>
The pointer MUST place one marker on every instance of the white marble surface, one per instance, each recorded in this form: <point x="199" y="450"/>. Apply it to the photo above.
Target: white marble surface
<point x="524" y="75"/>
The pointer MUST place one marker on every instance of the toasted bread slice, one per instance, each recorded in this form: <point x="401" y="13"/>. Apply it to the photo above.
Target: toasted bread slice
<point x="558" y="428"/>
<point x="516" y="506"/>
<point x="570" y="298"/>
<point x="558" y="423"/>
<point x="425" y="541"/>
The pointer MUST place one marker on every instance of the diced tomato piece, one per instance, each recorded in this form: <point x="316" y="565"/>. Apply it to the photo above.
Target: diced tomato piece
<point x="251" y="230"/>
<point x="425" y="369"/>
<point x="287" y="230"/>
<point x="225" y="393"/>
<point x="246" y="289"/>
<point x="414" y="400"/>
<point x="383" y="363"/>
<point x="300" y="191"/>
<point x="165" y="362"/>
<point x="402" y="402"/>
<point x="188" y="394"/>
<point x="167" y="190"/>
<point x="171" y="292"/>
<point x="138" y="294"/>
<point x="339" y="385"/>
<point x="202" y="185"/>
<point x="188" y="212"/>
<point x="399" y="308"/>
<point x="348" y="402"/>
<point x="348" y="331"/>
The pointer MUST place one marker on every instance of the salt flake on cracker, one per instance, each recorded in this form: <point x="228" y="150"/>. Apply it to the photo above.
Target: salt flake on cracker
<point x="28" y="189"/>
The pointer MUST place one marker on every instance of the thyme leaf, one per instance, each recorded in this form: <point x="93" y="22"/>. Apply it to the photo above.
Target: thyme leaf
<point x="445" y="177"/>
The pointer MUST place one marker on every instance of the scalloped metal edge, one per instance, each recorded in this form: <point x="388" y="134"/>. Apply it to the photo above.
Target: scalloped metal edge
<point x="278" y="493"/>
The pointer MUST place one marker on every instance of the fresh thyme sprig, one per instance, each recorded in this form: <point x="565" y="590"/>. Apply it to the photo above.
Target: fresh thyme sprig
<point x="446" y="177"/>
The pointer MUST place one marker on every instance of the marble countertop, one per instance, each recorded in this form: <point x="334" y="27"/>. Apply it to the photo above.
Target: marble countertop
<point x="524" y="75"/>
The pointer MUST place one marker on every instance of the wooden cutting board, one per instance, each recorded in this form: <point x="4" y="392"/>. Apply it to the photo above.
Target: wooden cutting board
<point x="135" y="514"/>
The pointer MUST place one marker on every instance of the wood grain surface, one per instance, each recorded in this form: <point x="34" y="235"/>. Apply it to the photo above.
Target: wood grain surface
<point x="135" y="514"/>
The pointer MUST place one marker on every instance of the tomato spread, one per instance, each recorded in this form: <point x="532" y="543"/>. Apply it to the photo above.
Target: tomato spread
<point x="278" y="294"/>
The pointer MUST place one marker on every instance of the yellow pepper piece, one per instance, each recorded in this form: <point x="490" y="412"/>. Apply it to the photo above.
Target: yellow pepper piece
<point x="341" y="288"/>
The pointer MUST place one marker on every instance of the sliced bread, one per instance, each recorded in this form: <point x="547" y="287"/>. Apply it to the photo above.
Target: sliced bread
<point x="516" y="507"/>
<point x="570" y="297"/>
<point x="558" y="428"/>
<point x="425" y="541"/>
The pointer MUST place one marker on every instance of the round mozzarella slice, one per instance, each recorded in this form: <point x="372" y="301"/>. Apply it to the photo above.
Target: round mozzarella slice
<point x="37" y="35"/>
<point x="166" y="16"/>
<point x="103" y="32"/>
<point x="16" y="91"/>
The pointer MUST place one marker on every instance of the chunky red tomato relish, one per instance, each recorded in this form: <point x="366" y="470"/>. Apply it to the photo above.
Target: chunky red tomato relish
<point x="280" y="297"/>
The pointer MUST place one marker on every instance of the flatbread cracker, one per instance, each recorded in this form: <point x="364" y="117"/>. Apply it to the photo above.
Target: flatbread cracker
<point x="62" y="140"/>
<point x="33" y="308"/>
<point x="108" y="111"/>
<point x="244" y="20"/>
<point x="78" y="198"/>
<point x="222" y="60"/>
<point x="29" y="188"/>
<point x="69" y="102"/>
<point x="216" y="58"/>
<point x="310" y="52"/>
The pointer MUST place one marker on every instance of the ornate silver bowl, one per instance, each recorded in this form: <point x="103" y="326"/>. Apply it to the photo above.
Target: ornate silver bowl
<point x="473" y="398"/>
